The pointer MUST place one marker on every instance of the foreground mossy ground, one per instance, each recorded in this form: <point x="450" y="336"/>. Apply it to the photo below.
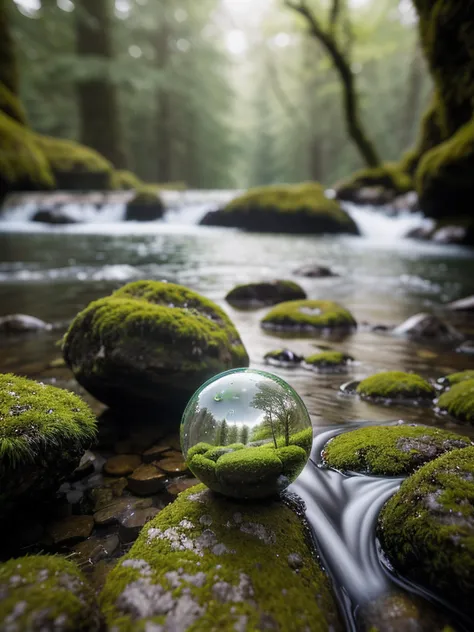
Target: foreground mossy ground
<point x="389" y="450"/>
<point x="208" y="563"/>
<point x="427" y="528"/>
<point x="395" y="385"/>
<point x="242" y="471"/>
<point x="307" y="315"/>
<point x="43" y="593"/>
<point x="151" y="341"/>
<point x="44" y="431"/>
<point x="459" y="400"/>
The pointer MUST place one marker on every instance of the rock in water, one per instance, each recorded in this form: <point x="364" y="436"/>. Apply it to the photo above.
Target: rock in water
<point x="428" y="327"/>
<point x="55" y="216"/>
<point x="42" y="593"/>
<point x="309" y="317"/>
<point x="145" y="206"/>
<point x="265" y="294"/>
<point x="209" y="563"/>
<point x="395" y="385"/>
<point x="43" y="433"/>
<point x="315" y="271"/>
<point x="151" y="343"/>
<point x="427" y="528"/>
<point x="462" y="305"/>
<point x="21" y="323"/>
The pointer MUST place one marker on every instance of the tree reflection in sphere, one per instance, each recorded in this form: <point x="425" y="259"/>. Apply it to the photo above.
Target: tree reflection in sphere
<point x="246" y="434"/>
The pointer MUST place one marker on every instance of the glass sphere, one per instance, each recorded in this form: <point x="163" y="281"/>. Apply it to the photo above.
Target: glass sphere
<point x="246" y="434"/>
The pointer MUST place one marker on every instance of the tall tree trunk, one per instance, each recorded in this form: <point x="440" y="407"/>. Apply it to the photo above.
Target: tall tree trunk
<point x="98" y="102"/>
<point x="327" y="39"/>
<point x="163" y="107"/>
<point x="8" y="64"/>
<point x="412" y="105"/>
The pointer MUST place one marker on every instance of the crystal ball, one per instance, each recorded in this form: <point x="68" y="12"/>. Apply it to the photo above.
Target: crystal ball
<point x="246" y="434"/>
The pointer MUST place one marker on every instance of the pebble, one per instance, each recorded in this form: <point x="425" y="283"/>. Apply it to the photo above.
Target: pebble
<point x="146" y="480"/>
<point x="70" y="529"/>
<point x="122" y="464"/>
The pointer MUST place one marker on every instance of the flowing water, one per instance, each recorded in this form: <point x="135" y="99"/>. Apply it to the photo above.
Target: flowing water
<point x="53" y="272"/>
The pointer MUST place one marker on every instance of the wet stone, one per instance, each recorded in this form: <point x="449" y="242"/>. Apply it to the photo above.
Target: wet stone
<point x="180" y="485"/>
<point x="155" y="452"/>
<point x="114" y="512"/>
<point x="131" y="524"/>
<point x="94" y="549"/>
<point x="146" y="480"/>
<point x="70" y="529"/>
<point x="85" y="468"/>
<point x="173" y="466"/>
<point x="107" y="493"/>
<point x="122" y="464"/>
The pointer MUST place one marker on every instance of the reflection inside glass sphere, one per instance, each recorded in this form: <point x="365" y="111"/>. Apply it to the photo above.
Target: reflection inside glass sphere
<point x="246" y="434"/>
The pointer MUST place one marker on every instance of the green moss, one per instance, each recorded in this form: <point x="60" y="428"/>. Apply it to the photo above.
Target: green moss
<point x="151" y="341"/>
<point x="126" y="180"/>
<point x="43" y="433"/>
<point x="328" y="359"/>
<point x="309" y="315"/>
<point x="395" y="385"/>
<point x="456" y="378"/>
<point x="11" y="105"/>
<point x="22" y="164"/>
<point x="199" y="448"/>
<point x="67" y="156"/>
<point x="42" y="592"/>
<point x="427" y="528"/>
<point x="389" y="176"/>
<point x="303" y="439"/>
<point x="293" y="459"/>
<point x="265" y="293"/>
<point x="231" y="559"/>
<point x="459" y="401"/>
<point x="146" y="195"/>
<point x="389" y="450"/>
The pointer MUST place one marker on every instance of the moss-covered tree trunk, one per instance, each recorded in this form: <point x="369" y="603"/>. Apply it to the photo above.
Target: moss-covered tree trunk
<point x="97" y="97"/>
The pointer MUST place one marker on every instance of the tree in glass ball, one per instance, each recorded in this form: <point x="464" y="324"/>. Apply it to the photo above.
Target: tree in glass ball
<point x="246" y="434"/>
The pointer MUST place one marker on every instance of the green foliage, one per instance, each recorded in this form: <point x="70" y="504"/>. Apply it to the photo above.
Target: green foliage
<point x="459" y="401"/>
<point x="50" y="589"/>
<point x="389" y="450"/>
<point x="426" y="528"/>
<point x="238" y="535"/>
<point x="395" y="385"/>
<point x="310" y="315"/>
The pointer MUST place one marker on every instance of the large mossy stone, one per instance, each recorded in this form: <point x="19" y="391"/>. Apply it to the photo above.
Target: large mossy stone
<point x="43" y="593"/>
<point x="285" y="208"/>
<point x="265" y="293"/>
<point x="328" y="361"/>
<point x="388" y="181"/>
<point x="390" y="450"/>
<point x="151" y="343"/>
<point x="145" y="206"/>
<point x="207" y="563"/>
<point x="309" y="316"/>
<point x="44" y="432"/>
<point x="427" y="528"/>
<point x="395" y="385"/>
<point x="459" y="401"/>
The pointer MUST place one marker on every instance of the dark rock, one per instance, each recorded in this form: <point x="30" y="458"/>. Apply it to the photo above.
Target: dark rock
<point x="315" y="271"/>
<point x="283" y="357"/>
<point x="265" y="294"/>
<point x="95" y="549"/>
<point x="22" y="323"/>
<point x="462" y="305"/>
<point x="422" y="233"/>
<point x="155" y="452"/>
<point x="70" y="529"/>
<point x="122" y="464"/>
<point x="428" y="327"/>
<point x="55" y="216"/>
<point x="146" y="480"/>
<point x="133" y="523"/>
<point x="113" y="513"/>
<point x="144" y="212"/>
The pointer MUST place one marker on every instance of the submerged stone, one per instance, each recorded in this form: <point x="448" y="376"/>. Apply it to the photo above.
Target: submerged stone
<point x="283" y="358"/>
<point x="151" y="343"/>
<point x="264" y="294"/>
<point x="390" y="450"/>
<point x="309" y="316"/>
<point x="427" y="528"/>
<point x="206" y="561"/>
<point x="315" y="271"/>
<point x="395" y="385"/>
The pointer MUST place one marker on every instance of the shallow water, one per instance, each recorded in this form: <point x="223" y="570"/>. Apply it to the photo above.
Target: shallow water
<point x="52" y="273"/>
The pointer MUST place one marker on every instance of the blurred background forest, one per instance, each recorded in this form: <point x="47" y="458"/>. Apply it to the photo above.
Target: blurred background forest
<point x="218" y="93"/>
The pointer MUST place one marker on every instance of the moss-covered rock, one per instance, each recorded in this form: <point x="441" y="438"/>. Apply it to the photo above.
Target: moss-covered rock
<point x="11" y="105"/>
<point x="283" y="357"/>
<point x="151" y="342"/>
<point x="208" y="563"/>
<point x="126" y="180"/>
<point x="23" y="166"/>
<point x="309" y="316"/>
<point x="265" y="293"/>
<point x="459" y="401"/>
<point x="43" y="433"/>
<point x="328" y="360"/>
<point x="395" y="385"/>
<point x="427" y="528"/>
<point x="42" y="593"/>
<point x="145" y="206"/>
<point x="388" y="180"/>
<point x="75" y="166"/>
<point x="285" y="208"/>
<point x="456" y="378"/>
<point x="389" y="450"/>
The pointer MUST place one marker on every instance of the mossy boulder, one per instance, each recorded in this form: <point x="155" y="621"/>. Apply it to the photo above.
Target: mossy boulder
<point x="309" y="316"/>
<point x="44" y="432"/>
<point x="145" y="206"/>
<point x="265" y="293"/>
<point x="328" y="360"/>
<point x="43" y="593"/>
<point x="23" y="166"/>
<point x="427" y="528"/>
<point x="390" y="450"/>
<point x="151" y="343"/>
<point x="456" y="378"/>
<point x="75" y="166"/>
<point x="459" y="401"/>
<point x="126" y="180"/>
<point x="286" y="208"/>
<point x="208" y="563"/>
<point x="396" y="385"/>
<point x="385" y="183"/>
